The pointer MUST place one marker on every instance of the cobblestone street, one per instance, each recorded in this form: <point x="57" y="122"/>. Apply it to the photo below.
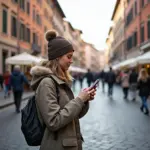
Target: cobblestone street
<point x="111" y="124"/>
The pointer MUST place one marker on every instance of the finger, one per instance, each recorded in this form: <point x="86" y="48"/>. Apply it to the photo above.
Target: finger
<point x="91" y="91"/>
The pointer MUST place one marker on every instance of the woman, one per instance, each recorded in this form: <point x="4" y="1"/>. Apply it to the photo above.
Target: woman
<point x="59" y="112"/>
<point x="144" y="89"/>
<point x="125" y="84"/>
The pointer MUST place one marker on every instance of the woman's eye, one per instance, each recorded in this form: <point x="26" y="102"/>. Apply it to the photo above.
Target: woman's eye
<point x="69" y="57"/>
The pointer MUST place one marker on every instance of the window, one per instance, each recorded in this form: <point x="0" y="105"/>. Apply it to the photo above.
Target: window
<point x="4" y="27"/>
<point x="38" y="19"/>
<point x="22" y="4"/>
<point x="142" y="3"/>
<point x="33" y="14"/>
<point x="28" y="8"/>
<point x="129" y="17"/>
<point x="22" y="32"/>
<point x="129" y="43"/>
<point x="135" y="38"/>
<point x="148" y="24"/>
<point x="13" y="26"/>
<point x="135" y="8"/>
<point x="142" y="33"/>
<point x="28" y="35"/>
<point x="35" y="38"/>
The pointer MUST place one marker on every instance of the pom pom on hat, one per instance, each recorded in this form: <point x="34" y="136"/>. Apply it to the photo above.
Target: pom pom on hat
<point x="50" y="35"/>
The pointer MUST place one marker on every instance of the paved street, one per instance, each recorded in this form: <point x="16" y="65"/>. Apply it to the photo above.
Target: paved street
<point x="111" y="124"/>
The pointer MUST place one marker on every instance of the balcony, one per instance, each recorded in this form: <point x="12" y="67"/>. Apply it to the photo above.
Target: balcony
<point x="36" y="48"/>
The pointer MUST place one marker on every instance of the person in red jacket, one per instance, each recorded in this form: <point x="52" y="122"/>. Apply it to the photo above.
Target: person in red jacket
<point x="6" y="77"/>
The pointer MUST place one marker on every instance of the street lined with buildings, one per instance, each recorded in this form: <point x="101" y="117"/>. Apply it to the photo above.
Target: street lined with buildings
<point x="34" y="19"/>
<point x="111" y="124"/>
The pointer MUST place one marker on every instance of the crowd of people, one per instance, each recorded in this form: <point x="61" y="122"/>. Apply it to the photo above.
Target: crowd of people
<point x="129" y="80"/>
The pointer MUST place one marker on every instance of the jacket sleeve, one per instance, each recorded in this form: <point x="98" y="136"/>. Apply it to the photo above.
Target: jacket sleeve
<point x="53" y="116"/>
<point x="84" y="110"/>
<point x="25" y="79"/>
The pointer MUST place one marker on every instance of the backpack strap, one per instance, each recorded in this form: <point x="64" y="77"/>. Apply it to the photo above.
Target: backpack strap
<point x="57" y="92"/>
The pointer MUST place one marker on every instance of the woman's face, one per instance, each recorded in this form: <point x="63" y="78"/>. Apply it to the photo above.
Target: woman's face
<point x="66" y="60"/>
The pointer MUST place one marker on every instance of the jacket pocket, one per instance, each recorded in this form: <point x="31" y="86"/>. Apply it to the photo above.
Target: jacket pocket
<point x="69" y="142"/>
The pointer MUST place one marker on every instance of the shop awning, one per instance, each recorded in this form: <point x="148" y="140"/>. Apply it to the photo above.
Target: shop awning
<point x="77" y="69"/>
<point x="23" y="59"/>
<point x="129" y="62"/>
<point x="144" y="59"/>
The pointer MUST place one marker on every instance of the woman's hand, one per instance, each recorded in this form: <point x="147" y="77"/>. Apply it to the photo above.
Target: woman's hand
<point x="93" y="93"/>
<point x="86" y="94"/>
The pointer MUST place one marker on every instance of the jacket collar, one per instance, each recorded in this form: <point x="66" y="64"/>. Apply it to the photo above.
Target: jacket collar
<point x="41" y="71"/>
<point x="58" y="81"/>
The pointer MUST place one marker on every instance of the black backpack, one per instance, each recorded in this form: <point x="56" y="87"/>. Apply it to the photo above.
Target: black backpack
<point x="31" y="126"/>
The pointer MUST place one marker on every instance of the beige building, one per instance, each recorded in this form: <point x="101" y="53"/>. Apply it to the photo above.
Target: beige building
<point x="74" y="36"/>
<point x="92" y="58"/>
<point x="24" y="24"/>
<point x="108" y="50"/>
<point x="117" y="47"/>
<point x="102" y="59"/>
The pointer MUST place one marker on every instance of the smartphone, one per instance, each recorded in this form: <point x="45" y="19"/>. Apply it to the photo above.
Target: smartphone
<point x="95" y="84"/>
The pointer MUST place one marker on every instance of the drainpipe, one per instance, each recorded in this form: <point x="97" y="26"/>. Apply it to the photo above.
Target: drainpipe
<point x="18" y="26"/>
<point x="124" y="40"/>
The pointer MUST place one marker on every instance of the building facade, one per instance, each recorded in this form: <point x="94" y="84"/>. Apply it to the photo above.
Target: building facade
<point x="130" y="34"/>
<point x="137" y="27"/>
<point x="23" y="25"/>
<point x="92" y="58"/>
<point x="118" y="33"/>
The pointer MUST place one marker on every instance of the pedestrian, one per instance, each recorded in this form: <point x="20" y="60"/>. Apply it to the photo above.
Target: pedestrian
<point x="60" y="114"/>
<point x="89" y="77"/>
<point x="110" y="78"/>
<point x="80" y="78"/>
<point x="103" y="79"/>
<point x="17" y="79"/>
<point x="133" y="84"/>
<point x="125" y="84"/>
<point x="6" y="77"/>
<point x="1" y="81"/>
<point x="144" y="90"/>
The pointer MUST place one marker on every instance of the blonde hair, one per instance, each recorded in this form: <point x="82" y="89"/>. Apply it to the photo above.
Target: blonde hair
<point x="57" y="70"/>
<point x="143" y="75"/>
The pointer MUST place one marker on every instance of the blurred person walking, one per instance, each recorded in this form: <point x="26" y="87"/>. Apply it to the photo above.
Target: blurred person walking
<point x="144" y="90"/>
<point x="125" y="84"/>
<point x="6" y="84"/>
<point x="80" y="78"/>
<point x="133" y="84"/>
<point x="110" y="78"/>
<point x="17" y="79"/>
<point x="89" y="77"/>
<point x="57" y="107"/>
<point x="1" y="81"/>
<point x="103" y="79"/>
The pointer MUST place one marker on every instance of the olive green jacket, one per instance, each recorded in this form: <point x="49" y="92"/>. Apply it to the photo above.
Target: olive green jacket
<point x="61" y="117"/>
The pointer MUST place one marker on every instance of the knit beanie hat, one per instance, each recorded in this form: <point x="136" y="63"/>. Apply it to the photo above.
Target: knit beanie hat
<point x="57" y="45"/>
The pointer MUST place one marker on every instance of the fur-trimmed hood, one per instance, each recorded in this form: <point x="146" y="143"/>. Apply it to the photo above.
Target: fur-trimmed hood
<point x="38" y="73"/>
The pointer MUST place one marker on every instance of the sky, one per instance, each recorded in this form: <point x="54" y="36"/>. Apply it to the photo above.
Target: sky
<point x="93" y="17"/>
